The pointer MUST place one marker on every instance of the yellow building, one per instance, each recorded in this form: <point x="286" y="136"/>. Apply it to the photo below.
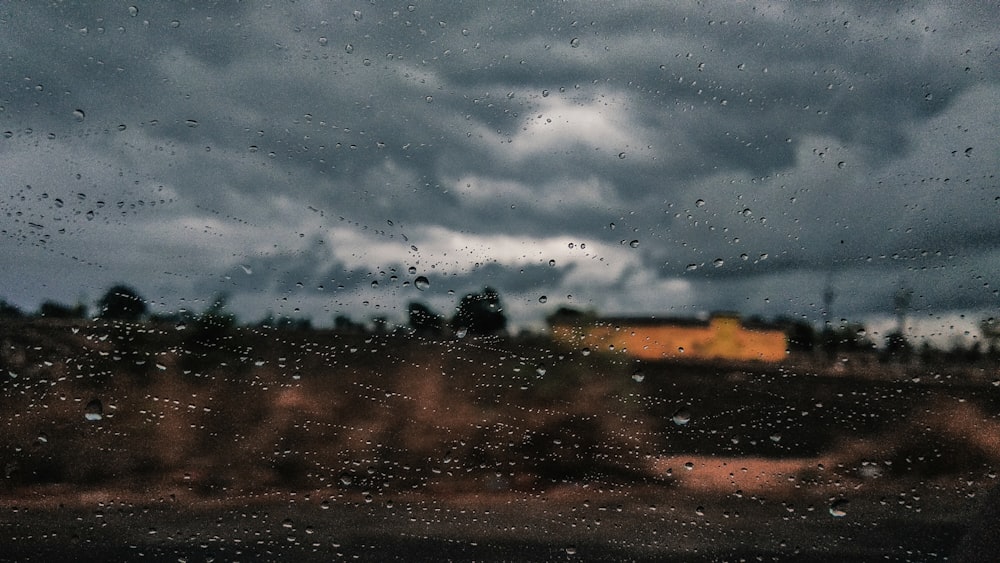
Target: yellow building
<point x="722" y="337"/>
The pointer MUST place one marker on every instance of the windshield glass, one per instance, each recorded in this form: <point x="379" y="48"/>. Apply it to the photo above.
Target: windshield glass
<point x="507" y="281"/>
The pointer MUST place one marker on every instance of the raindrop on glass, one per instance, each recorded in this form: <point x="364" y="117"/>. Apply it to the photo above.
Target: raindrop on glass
<point x="422" y="283"/>
<point x="682" y="416"/>
<point x="94" y="410"/>
<point x="575" y="42"/>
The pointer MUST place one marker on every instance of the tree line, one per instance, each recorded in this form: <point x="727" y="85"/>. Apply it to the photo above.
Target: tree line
<point x="478" y="314"/>
<point x="482" y="314"/>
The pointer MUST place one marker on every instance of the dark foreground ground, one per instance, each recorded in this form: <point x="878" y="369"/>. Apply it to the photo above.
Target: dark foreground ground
<point x="663" y="525"/>
<point x="135" y="442"/>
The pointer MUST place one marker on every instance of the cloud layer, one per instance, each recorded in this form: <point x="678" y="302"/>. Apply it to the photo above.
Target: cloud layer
<point x="313" y="158"/>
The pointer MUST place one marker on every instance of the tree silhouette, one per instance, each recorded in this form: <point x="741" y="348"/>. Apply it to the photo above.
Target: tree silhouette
<point x="55" y="310"/>
<point x="122" y="303"/>
<point x="9" y="311"/>
<point x="480" y="314"/>
<point x="423" y="320"/>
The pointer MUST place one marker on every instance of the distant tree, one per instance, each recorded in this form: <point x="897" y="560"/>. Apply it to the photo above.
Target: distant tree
<point x="344" y="323"/>
<point x="122" y="303"/>
<point x="846" y="338"/>
<point x="989" y="329"/>
<point x="897" y="346"/>
<point x="800" y="334"/>
<point x="217" y="313"/>
<point x="480" y="314"/>
<point x="215" y="321"/>
<point x="9" y="311"/>
<point x="423" y="320"/>
<point x="290" y="323"/>
<point x="55" y="310"/>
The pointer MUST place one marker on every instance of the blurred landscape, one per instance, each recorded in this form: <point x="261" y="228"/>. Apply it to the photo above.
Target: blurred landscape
<point x="450" y="443"/>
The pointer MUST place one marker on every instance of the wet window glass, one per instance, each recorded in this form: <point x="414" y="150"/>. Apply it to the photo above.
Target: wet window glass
<point x="499" y="281"/>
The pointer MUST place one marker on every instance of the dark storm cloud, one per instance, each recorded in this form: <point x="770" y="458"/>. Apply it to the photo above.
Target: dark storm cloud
<point x="775" y="147"/>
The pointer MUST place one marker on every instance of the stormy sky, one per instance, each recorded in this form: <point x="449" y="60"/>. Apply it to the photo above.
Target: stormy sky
<point x="312" y="158"/>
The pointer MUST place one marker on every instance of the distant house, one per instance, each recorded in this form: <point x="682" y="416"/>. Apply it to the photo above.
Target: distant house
<point x="722" y="337"/>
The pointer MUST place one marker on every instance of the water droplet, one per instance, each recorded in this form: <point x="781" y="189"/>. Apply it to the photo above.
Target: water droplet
<point x="412" y="270"/>
<point x="94" y="410"/>
<point x="540" y="370"/>
<point x="323" y="41"/>
<point x="968" y="152"/>
<point x="585" y="351"/>
<point x="746" y="212"/>
<point x="634" y="244"/>
<point x="699" y="203"/>
<point x="574" y="42"/>
<point x="543" y="299"/>
<point x="545" y="93"/>
<point x="79" y="115"/>
<point x="691" y="267"/>
<point x="775" y="438"/>
<point x="349" y="48"/>
<point x="191" y="123"/>
<point x="838" y="508"/>
<point x="638" y="376"/>
<point x="689" y="465"/>
<point x="461" y="332"/>
<point x="718" y="262"/>
<point x="571" y="550"/>
<point x="621" y="155"/>
<point x="175" y="24"/>
<point x="346" y="479"/>
<point x="374" y="284"/>
<point x="246" y="269"/>
<point x="552" y="263"/>
<point x="133" y="11"/>
<point x="682" y="416"/>
<point x="429" y="99"/>
<point x="357" y="15"/>
<point x="422" y="283"/>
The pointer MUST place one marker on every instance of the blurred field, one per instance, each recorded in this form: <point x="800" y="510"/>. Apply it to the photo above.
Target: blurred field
<point x="454" y="446"/>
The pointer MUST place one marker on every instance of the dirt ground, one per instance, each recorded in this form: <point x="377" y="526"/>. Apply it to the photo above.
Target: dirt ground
<point x="136" y="442"/>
